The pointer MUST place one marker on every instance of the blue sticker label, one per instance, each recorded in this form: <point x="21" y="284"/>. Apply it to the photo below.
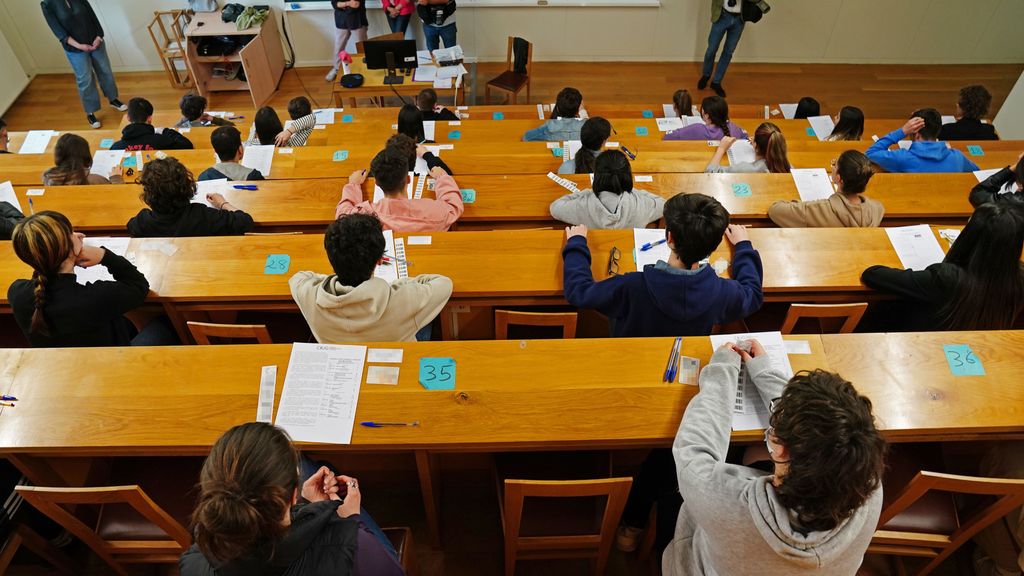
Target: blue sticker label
<point x="346" y="118"/>
<point x="741" y="190"/>
<point x="641" y="130"/>
<point x="341" y="155"/>
<point x="437" y="373"/>
<point x="498" y="116"/>
<point x="106" y="143"/>
<point x="455" y="135"/>
<point x="810" y="131"/>
<point x="130" y="161"/>
<point x="277" y="264"/>
<point x="962" y="361"/>
<point x="557" y="151"/>
<point x="975" y="150"/>
<point x="468" y="195"/>
<point x="647" y="114"/>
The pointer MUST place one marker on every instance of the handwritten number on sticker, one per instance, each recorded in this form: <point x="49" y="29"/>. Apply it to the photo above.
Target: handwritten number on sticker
<point x="962" y="360"/>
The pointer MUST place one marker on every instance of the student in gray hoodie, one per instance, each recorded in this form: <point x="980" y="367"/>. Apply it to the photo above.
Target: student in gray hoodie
<point x="564" y="124"/>
<point x="817" y="512"/>
<point x="612" y="203"/>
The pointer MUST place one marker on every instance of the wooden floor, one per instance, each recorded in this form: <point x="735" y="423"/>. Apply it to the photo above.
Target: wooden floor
<point x="882" y="91"/>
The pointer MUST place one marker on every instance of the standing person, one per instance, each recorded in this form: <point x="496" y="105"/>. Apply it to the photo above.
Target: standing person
<point x="726" y="22"/>
<point x="350" y="20"/>
<point x="398" y="13"/>
<point x="438" y="22"/>
<point x="74" y="23"/>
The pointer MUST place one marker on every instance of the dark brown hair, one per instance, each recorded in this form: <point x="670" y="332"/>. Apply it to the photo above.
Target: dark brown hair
<point x="426" y="100"/>
<point x="856" y="171"/>
<point x="73" y="158"/>
<point x="594" y="133"/>
<point x="268" y="125"/>
<point x="567" y="103"/>
<point x="299" y="107"/>
<point x="771" y="145"/>
<point x="717" y="110"/>
<point x="974" y="101"/>
<point x="682" y="102"/>
<point x="245" y="488"/>
<point x="697" y="222"/>
<point x="836" y="454"/>
<point x="167" y="186"/>
<point x="44" y="242"/>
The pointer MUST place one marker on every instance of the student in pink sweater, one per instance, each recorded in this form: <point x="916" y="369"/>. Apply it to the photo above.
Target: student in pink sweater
<point x="396" y="210"/>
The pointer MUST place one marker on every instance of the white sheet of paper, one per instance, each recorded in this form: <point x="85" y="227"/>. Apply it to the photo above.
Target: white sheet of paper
<point x="749" y="410"/>
<point x="427" y="73"/>
<point x="326" y="115"/>
<point x="321" y="392"/>
<point x="797" y="347"/>
<point x="8" y="195"/>
<point x="104" y="161"/>
<point x="667" y="124"/>
<point x="741" y="151"/>
<point x="691" y="120"/>
<point x="382" y="375"/>
<point x="788" y="110"/>
<point x="428" y="130"/>
<point x="643" y="236"/>
<point x="36" y="142"/>
<point x="812" y="183"/>
<point x="259" y="158"/>
<point x="450" y="72"/>
<point x="983" y="175"/>
<point x="419" y="240"/>
<point x="205" y="187"/>
<point x="823" y="126"/>
<point x="384" y="355"/>
<point x="949" y="234"/>
<point x="948" y="120"/>
<point x="668" y="111"/>
<point x="99" y="272"/>
<point x="443" y="83"/>
<point x="570" y="148"/>
<point x="421" y="166"/>
<point x="915" y="245"/>
<point x="423" y="56"/>
<point x="904" y="144"/>
<point x="388" y="272"/>
<point x="268" y="385"/>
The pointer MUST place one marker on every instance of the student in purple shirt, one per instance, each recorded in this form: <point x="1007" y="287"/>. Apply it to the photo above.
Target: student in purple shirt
<point x="715" y="112"/>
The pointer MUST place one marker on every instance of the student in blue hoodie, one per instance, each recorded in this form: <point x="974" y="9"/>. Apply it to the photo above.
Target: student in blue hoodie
<point x="926" y="154"/>
<point x="681" y="297"/>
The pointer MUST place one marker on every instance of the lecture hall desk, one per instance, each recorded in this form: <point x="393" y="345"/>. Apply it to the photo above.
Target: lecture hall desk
<point x="514" y="201"/>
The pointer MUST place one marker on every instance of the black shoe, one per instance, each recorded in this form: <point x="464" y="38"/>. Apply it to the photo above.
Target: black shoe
<point x="93" y="121"/>
<point x="118" y="105"/>
<point x="718" y="89"/>
<point x="703" y="82"/>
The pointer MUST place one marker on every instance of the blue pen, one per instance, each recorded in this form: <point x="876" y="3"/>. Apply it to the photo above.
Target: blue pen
<point x="675" y="360"/>
<point x="8" y="398"/>
<point x="372" y="424"/>
<point x="669" y="366"/>
<point x="31" y="206"/>
<point x="245" y="187"/>
<point x="650" y="245"/>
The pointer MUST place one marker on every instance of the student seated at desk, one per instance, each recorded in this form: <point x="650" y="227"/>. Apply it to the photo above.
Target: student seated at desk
<point x="847" y="208"/>
<point x="565" y="123"/>
<point x="681" y="297"/>
<point x="593" y="135"/>
<point x="193" y="113"/>
<point x="265" y="509"/>
<point x="73" y="161"/>
<point x="168" y="189"/>
<point x="682" y="103"/>
<point x="806" y="108"/>
<point x="268" y="130"/>
<point x="612" y="201"/>
<point x="979" y="285"/>
<point x="352" y="305"/>
<point x="770" y="153"/>
<point x="141" y="135"/>
<point x="410" y="123"/>
<point x="5" y="140"/>
<point x="715" y="112"/>
<point x="227" y="143"/>
<point x="990" y="189"/>
<point x="972" y="105"/>
<point x="407" y="148"/>
<point x="814" y="514"/>
<point x="426" y="101"/>
<point x="9" y="218"/>
<point x="396" y="210"/>
<point x="54" y="310"/>
<point x="849" y="125"/>
<point x="925" y="154"/>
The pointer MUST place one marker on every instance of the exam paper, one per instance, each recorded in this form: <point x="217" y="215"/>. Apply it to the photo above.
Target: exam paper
<point x="668" y="124"/>
<point x="741" y="151"/>
<point x="983" y="175"/>
<point x="104" y="162"/>
<point x="916" y="246"/>
<point x="443" y="83"/>
<point x="449" y="72"/>
<point x="388" y="271"/>
<point x="812" y="183"/>
<point x="749" y="410"/>
<point x="823" y="126"/>
<point x="426" y="73"/>
<point x="643" y="236"/>
<point x="788" y="110"/>
<point x="570" y="148"/>
<point x="668" y="111"/>
<point x="99" y="272"/>
<point x="36" y="142"/>
<point x="948" y="120"/>
<point x="691" y="120"/>
<point x="326" y="115"/>
<point x="321" y="392"/>
<point x="259" y="158"/>
<point x="205" y="187"/>
<point x="7" y="195"/>
<point x="428" y="130"/>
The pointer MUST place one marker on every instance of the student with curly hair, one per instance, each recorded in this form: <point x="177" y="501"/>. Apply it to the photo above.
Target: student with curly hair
<point x="971" y="106"/>
<point x="168" y="189"/>
<point x="193" y="113"/>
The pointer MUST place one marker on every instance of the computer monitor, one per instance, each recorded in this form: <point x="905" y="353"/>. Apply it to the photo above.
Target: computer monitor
<point x="390" y="55"/>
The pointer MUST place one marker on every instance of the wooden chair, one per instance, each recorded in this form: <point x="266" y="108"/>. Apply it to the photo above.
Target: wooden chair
<point x="21" y="535"/>
<point x="401" y="539"/>
<point x="510" y="81"/>
<point x="503" y="318"/>
<point x="145" y="534"/>
<point x="851" y="312"/>
<point x="530" y="537"/>
<point x="203" y="331"/>
<point x="167" y="29"/>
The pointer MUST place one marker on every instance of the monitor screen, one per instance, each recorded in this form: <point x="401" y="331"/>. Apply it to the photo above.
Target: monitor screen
<point x="376" y="53"/>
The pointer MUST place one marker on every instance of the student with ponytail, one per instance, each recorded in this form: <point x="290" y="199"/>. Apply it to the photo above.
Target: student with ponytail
<point x="848" y="207"/>
<point x="715" y="112"/>
<point x="593" y="135"/>
<point x="682" y="103"/>
<point x="612" y="202"/>
<point x="54" y="310"/>
<point x="256" y="516"/>
<point x="769" y="153"/>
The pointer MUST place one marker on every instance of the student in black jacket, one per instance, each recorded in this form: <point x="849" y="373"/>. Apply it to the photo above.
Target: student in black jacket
<point x="141" y="135"/>
<point x="168" y="189"/>
<point x="54" y="310"/>
<point x="971" y="107"/>
<point x="979" y="285"/>
<point x="426" y="101"/>
<point x="989" y="190"/>
<point x="9" y="218"/>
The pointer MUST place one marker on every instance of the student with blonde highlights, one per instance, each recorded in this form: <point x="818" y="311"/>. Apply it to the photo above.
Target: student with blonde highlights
<point x="769" y="152"/>
<point x="265" y="510"/>
<point x="73" y="161"/>
<point x="848" y="207"/>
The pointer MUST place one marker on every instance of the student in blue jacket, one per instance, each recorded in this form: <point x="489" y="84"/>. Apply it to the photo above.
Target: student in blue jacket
<point x="925" y="154"/>
<point x="681" y="297"/>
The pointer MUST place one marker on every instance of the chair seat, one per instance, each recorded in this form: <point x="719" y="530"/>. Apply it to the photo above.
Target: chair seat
<point x="172" y="485"/>
<point x="509" y="80"/>
<point x="398" y="538"/>
<point x="935" y="512"/>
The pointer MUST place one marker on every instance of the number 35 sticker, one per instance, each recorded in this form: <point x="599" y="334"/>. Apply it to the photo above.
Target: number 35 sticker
<point x="437" y="373"/>
<point x="962" y="361"/>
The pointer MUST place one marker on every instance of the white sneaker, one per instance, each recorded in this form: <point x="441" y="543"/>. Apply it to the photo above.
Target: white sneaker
<point x="331" y="75"/>
<point x="118" y="105"/>
<point x="93" y="121"/>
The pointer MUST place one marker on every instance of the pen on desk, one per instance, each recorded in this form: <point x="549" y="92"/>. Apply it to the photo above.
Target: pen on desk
<point x="650" y="245"/>
<point x="631" y="155"/>
<point x="389" y="259"/>
<point x="675" y="360"/>
<point x="8" y="398"/>
<point x="668" y="365"/>
<point x="31" y="206"/>
<point x="8" y="404"/>
<point x="372" y="424"/>
<point x="245" y="187"/>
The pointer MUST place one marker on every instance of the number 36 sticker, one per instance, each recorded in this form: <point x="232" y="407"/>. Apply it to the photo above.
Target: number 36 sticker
<point x="962" y="361"/>
<point x="437" y="373"/>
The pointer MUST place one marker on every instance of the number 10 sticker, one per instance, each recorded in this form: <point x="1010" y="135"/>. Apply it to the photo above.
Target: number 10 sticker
<point x="437" y="373"/>
<point x="962" y="361"/>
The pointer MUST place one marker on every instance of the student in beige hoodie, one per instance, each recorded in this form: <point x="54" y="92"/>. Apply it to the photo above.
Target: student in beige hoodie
<point x="847" y="208"/>
<point x="352" y="305"/>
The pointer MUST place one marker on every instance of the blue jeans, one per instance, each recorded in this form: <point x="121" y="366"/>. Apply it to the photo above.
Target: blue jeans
<point x="444" y="33"/>
<point x="159" y="332"/>
<point x="399" y="23"/>
<point x="89" y="67"/>
<point x="729" y="26"/>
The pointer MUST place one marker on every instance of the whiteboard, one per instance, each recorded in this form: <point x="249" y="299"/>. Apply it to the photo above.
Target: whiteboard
<point x="326" y="4"/>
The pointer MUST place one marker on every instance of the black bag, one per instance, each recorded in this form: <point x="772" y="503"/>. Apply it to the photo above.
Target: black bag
<point x="435" y="13"/>
<point x="231" y="12"/>
<point x="217" y="45"/>
<point x="752" y="10"/>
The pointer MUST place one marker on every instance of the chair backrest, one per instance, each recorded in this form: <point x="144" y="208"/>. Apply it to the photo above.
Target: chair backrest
<point x="504" y="318"/>
<point x="519" y="57"/>
<point x="851" y="312"/>
<point x="292" y="233"/>
<point x="391" y="36"/>
<point x="1009" y="494"/>
<point x="203" y="331"/>
<point x="52" y="502"/>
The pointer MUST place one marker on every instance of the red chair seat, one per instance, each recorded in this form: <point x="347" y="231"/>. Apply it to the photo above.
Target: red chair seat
<point x="935" y="512"/>
<point x="509" y="80"/>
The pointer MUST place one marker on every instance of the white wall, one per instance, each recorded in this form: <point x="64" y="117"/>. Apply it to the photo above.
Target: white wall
<point x="1010" y="120"/>
<point x="809" y="31"/>
<point x="13" y="78"/>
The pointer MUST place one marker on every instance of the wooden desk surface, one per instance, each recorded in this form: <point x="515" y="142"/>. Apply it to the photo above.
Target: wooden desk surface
<point x="309" y="204"/>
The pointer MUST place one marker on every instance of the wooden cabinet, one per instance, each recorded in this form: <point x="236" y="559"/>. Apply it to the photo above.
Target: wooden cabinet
<point x="261" y="59"/>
